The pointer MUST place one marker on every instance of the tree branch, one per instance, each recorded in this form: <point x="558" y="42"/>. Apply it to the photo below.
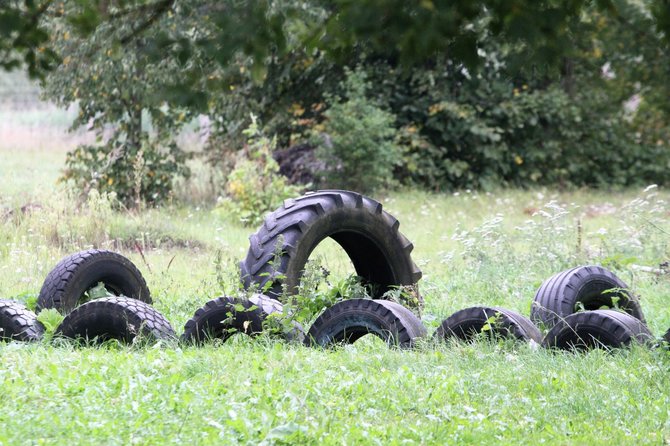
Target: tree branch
<point x="161" y="8"/>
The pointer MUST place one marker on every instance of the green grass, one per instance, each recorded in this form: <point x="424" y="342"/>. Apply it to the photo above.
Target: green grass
<point x="473" y="249"/>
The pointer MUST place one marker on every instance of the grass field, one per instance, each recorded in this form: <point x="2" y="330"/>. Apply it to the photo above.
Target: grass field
<point x="474" y="248"/>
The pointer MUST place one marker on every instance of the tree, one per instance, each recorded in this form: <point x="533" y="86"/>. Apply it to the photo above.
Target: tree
<point x="226" y="59"/>
<point x="23" y="37"/>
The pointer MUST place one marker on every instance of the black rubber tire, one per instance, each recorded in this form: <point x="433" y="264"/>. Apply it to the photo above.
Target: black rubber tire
<point x="17" y="323"/>
<point x="560" y="295"/>
<point x="369" y="235"/>
<point x="597" y="328"/>
<point x="414" y="323"/>
<point x="65" y="285"/>
<point x="349" y="320"/>
<point x="467" y="323"/>
<point x="117" y="317"/>
<point x="220" y="319"/>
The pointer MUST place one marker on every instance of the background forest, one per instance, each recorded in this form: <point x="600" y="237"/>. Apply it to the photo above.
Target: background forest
<point x="436" y="96"/>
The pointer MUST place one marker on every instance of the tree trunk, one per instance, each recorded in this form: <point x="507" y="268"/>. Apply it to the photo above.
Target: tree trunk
<point x="568" y="78"/>
<point x="135" y="126"/>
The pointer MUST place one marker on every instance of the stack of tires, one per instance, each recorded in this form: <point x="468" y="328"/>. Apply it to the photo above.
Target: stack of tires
<point x="612" y="317"/>
<point x="125" y="314"/>
<point x="275" y="261"/>
<point x="277" y="256"/>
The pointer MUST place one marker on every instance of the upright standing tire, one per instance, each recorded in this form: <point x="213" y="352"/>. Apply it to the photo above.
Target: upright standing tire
<point x="369" y="235"/>
<point x="349" y="320"/>
<point x="587" y="286"/>
<point x="598" y="328"/>
<point x="498" y="322"/>
<point x="119" y="318"/>
<point x="66" y="284"/>
<point x="222" y="317"/>
<point x="17" y="323"/>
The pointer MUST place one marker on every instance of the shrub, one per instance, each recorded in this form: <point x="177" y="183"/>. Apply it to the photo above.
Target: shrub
<point x="459" y="131"/>
<point x="135" y="175"/>
<point x="255" y="186"/>
<point x="356" y="140"/>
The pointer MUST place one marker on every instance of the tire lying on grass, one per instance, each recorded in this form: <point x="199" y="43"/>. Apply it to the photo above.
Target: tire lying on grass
<point x="223" y="317"/>
<point x="17" y="323"/>
<point x="117" y="317"/>
<point x="65" y="286"/>
<point x="349" y="320"/>
<point x="590" y="287"/>
<point x="369" y="235"/>
<point x="466" y="324"/>
<point x="595" y="329"/>
<point x="666" y="337"/>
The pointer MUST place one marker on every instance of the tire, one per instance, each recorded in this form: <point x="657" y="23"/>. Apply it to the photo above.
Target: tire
<point x="17" y="323"/>
<point x="119" y="318"/>
<point x="467" y="323"/>
<point x="349" y="320"/>
<point x="597" y="328"/>
<point x="65" y="285"/>
<point x="370" y="237"/>
<point x="222" y="317"/>
<point x="561" y="294"/>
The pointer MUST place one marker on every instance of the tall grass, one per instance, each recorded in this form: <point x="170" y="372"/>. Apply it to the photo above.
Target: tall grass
<point x="474" y="248"/>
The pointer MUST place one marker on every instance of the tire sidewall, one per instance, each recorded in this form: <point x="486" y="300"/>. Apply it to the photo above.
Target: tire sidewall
<point x="353" y="318"/>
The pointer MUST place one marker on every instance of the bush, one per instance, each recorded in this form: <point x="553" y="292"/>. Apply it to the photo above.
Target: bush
<point x="136" y="176"/>
<point x="255" y="186"/>
<point x="356" y="140"/>
<point x="461" y="131"/>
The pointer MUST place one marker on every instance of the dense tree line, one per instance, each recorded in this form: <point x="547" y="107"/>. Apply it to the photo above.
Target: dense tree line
<point x="459" y="93"/>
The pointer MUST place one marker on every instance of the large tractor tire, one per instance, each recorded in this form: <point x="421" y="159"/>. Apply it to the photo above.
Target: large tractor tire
<point x="280" y="249"/>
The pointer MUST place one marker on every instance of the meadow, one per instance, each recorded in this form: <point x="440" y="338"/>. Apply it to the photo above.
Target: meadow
<point x="492" y="248"/>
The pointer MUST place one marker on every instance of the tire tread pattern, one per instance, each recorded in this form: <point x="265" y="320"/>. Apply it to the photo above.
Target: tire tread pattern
<point x="55" y="292"/>
<point x="296" y="217"/>
<point x="139" y="317"/>
<point x="18" y="323"/>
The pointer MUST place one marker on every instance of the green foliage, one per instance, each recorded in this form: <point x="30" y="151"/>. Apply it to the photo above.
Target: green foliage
<point x="255" y="186"/>
<point x="356" y="139"/>
<point x="134" y="175"/>
<point x="512" y="137"/>
<point x="480" y="93"/>
<point x="24" y="41"/>
<point x="116" y="89"/>
<point x="465" y="131"/>
<point x="97" y="292"/>
<point x="316" y="293"/>
<point x="507" y="122"/>
<point x="51" y="319"/>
